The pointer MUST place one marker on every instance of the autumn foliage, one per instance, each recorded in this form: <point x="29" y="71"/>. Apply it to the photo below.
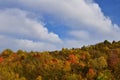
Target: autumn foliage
<point x="1" y="59"/>
<point x="94" y="62"/>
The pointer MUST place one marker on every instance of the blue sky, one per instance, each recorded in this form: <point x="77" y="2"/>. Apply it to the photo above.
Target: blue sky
<point x="111" y="9"/>
<point x="40" y="25"/>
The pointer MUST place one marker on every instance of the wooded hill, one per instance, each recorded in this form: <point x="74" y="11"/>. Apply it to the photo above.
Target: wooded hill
<point x="94" y="62"/>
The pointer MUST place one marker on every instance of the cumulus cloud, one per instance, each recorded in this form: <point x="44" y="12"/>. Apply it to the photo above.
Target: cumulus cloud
<point x="14" y="22"/>
<point x="83" y="35"/>
<point x="85" y="20"/>
<point x="24" y="44"/>
<point x="76" y="14"/>
<point x="17" y="31"/>
<point x="79" y="12"/>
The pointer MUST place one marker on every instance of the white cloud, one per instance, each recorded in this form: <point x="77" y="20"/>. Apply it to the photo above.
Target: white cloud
<point x="83" y="35"/>
<point x="18" y="31"/>
<point x="75" y="11"/>
<point x="24" y="44"/>
<point x="84" y="18"/>
<point x="76" y="14"/>
<point x="15" y="22"/>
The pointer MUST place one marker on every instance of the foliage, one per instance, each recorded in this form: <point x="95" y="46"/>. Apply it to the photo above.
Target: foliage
<point x="93" y="62"/>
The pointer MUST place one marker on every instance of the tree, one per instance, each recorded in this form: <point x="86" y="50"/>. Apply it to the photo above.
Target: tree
<point x="113" y="59"/>
<point x="104" y="75"/>
<point x="39" y="78"/>
<point x="91" y="74"/>
<point x="106" y="42"/>
<point x="73" y="59"/>
<point x="99" y="63"/>
<point x="7" y="52"/>
<point x="67" y="66"/>
<point x="71" y="77"/>
<point x="1" y="59"/>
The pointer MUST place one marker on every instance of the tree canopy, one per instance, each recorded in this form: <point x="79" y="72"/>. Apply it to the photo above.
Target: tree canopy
<point x="93" y="62"/>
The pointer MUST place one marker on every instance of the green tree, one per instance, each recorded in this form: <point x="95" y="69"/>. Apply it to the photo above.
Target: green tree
<point x="99" y="63"/>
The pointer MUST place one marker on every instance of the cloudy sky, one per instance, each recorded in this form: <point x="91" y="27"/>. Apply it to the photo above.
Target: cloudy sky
<point x="52" y="24"/>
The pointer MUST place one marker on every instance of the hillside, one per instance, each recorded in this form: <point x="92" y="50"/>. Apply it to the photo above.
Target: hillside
<point x="94" y="62"/>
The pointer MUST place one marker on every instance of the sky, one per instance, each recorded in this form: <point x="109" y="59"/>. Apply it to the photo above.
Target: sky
<point x="42" y="25"/>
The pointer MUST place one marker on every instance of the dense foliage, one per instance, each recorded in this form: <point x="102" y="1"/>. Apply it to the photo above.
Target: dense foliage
<point x="94" y="62"/>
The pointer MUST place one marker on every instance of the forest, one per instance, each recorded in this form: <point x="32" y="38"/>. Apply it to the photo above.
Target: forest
<point x="93" y="62"/>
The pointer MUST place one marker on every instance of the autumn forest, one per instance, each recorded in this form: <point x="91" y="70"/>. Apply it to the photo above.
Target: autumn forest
<point x="94" y="62"/>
